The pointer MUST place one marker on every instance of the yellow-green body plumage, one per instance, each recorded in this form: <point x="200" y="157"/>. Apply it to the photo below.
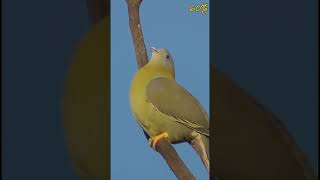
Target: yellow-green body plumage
<point x="161" y="105"/>
<point x="152" y="121"/>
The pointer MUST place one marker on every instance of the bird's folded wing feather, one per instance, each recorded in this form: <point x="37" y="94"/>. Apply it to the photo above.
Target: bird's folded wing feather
<point x="172" y="100"/>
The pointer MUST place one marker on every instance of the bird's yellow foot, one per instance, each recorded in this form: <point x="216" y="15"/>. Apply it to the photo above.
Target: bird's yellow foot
<point x="153" y="141"/>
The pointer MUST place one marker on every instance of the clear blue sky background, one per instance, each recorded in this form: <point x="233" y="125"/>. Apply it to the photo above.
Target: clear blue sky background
<point x="166" y="24"/>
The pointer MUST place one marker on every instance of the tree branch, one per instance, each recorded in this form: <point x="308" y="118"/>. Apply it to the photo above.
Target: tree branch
<point x="163" y="147"/>
<point x="173" y="160"/>
<point x="136" y="32"/>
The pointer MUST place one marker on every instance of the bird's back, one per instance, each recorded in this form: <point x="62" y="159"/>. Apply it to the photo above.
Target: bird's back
<point x="140" y="81"/>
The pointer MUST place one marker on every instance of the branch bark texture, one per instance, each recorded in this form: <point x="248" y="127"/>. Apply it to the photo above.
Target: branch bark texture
<point x="163" y="147"/>
<point x="136" y="32"/>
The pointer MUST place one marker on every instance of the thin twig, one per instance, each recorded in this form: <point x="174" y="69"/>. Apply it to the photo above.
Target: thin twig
<point x="163" y="147"/>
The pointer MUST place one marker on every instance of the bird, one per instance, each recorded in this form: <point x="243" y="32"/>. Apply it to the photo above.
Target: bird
<point x="164" y="109"/>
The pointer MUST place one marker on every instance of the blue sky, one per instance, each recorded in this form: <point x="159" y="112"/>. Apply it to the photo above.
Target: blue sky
<point x="166" y="24"/>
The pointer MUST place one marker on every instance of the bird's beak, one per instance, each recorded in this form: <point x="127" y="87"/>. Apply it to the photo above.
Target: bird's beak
<point x="153" y="49"/>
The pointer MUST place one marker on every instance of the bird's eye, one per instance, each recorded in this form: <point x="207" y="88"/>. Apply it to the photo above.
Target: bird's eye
<point x="167" y="56"/>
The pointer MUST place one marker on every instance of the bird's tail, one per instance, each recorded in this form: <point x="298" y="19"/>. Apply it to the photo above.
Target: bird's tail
<point x="201" y="145"/>
<point x="205" y="140"/>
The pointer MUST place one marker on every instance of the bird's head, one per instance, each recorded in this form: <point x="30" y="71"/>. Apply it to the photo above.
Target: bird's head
<point x="163" y="59"/>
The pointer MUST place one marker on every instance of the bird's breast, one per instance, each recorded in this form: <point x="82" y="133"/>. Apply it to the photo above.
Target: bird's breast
<point x="148" y="117"/>
<point x="138" y="99"/>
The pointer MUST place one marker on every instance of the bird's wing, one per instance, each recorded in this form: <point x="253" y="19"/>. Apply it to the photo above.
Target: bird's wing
<point x="172" y="100"/>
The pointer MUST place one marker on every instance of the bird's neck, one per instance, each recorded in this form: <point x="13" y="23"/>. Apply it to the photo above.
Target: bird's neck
<point x="159" y="71"/>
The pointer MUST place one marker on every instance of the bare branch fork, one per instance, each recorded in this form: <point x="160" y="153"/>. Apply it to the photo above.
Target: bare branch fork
<point x="163" y="147"/>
